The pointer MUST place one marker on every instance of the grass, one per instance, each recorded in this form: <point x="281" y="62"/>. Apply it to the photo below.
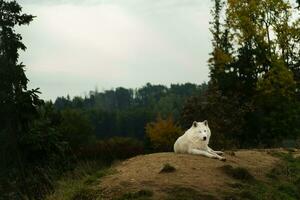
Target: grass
<point x="283" y="182"/>
<point x="139" y="195"/>
<point x="86" y="194"/>
<point x="183" y="193"/>
<point x="167" y="168"/>
<point x="238" y="173"/>
<point x="79" y="184"/>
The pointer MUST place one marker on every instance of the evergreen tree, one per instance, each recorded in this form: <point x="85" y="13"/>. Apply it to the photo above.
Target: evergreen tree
<point x="29" y="144"/>
<point x="18" y="104"/>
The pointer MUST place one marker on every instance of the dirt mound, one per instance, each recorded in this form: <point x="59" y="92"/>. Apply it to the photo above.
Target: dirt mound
<point x="201" y="174"/>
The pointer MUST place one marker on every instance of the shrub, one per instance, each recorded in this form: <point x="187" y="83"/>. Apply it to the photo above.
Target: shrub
<point x="44" y="157"/>
<point x="111" y="149"/>
<point x="163" y="133"/>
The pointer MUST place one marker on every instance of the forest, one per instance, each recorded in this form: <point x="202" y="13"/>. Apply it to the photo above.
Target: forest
<point x="252" y="100"/>
<point x="125" y="112"/>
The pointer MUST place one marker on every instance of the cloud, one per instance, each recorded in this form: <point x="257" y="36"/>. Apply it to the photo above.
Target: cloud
<point x="72" y="47"/>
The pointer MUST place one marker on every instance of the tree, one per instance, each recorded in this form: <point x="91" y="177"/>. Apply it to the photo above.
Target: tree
<point x="251" y="36"/>
<point x="31" y="149"/>
<point x="18" y="104"/>
<point x="124" y="97"/>
<point x="277" y="110"/>
<point x="225" y="115"/>
<point x="255" y="59"/>
<point x="265" y="38"/>
<point x="76" y="128"/>
<point x="150" y="94"/>
<point x="220" y="55"/>
<point x="45" y="153"/>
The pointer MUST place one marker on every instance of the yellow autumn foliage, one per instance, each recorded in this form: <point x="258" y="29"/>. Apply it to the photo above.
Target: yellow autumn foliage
<point x="163" y="133"/>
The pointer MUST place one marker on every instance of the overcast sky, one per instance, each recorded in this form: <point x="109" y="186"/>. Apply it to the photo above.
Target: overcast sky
<point x="74" y="46"/>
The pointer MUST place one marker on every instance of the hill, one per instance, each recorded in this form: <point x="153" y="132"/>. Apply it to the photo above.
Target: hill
<point x="195" y="177"/>
<point x="247" y="174"/>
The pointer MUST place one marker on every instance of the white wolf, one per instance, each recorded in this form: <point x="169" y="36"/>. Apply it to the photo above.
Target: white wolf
<point x="195" y="141"/>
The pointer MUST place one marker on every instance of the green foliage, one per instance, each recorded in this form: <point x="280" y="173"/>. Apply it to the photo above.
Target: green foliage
<point x="125" y="112"/>
<point x="253" y="98"/>
<point x="277" y="110"/>
<point x="278" y="84"/>
<point x="32" y="152"/>
<point x="163" y="134"/>
<point x="76" y="128"/>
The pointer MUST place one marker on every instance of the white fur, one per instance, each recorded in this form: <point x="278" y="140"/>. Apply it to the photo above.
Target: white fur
<point x="195" y="141"/>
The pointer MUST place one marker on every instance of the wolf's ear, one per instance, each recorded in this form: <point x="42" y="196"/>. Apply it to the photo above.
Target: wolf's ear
<point x="194" y="124"/>
<point x="205" y="122"/>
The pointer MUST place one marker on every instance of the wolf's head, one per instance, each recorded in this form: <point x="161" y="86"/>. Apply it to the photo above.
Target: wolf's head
<point x="201" y="130"/>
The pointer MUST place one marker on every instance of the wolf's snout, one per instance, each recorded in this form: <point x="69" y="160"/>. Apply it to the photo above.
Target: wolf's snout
<point x="204" y="138"/>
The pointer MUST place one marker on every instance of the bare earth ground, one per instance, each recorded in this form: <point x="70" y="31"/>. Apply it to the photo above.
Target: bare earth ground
<point x="192" y="171"/>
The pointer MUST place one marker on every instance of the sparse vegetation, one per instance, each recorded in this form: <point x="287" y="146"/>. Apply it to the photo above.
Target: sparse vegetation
<point x="86" y="194"/>
<point x="283" y="183"/>
<point x="79" y="184"/>
<point x="183" y="193"/>
<point x="238" y="173"/>
<point x="139" y="195"/>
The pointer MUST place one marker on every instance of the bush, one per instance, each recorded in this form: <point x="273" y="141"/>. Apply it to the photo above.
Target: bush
<point x="111" y="149"/>
<point x="44" y="157"/>
<point x="163" y="134"/>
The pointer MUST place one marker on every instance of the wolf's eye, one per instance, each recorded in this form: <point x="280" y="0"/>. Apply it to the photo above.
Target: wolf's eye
<point x="204" y="131"/>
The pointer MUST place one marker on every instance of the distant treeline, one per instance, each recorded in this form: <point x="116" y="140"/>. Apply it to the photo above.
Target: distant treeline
<point x="125" y="112"/>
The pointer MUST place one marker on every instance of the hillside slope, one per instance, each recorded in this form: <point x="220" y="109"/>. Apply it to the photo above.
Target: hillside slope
<point x="195" y="176"/>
